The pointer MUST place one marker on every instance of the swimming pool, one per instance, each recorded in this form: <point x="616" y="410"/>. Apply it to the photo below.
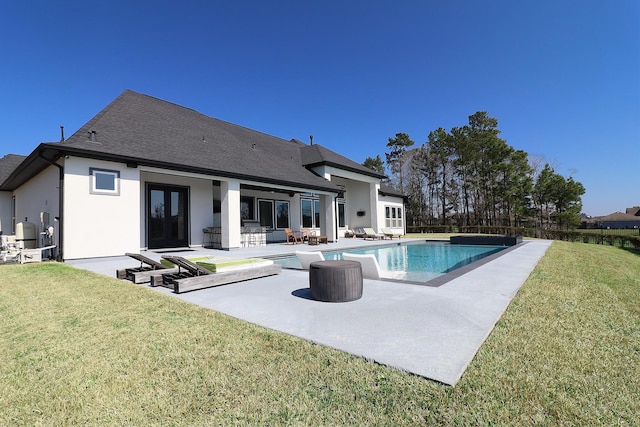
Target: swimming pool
<point x="420" y="261"/>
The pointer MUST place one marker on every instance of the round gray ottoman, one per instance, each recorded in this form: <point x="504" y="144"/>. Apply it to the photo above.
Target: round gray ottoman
<point x="335" y="281"/>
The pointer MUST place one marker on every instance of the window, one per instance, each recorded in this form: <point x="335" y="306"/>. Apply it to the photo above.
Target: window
<point x="282" y="214"/>
<point x="167" y="216"/>
<point x="306" y="206"/>
<point x="104" y="181"/>
<point x="310" y="213"/>
<point x="265" y="213"/>
<point x="246" y="208"/>
<point x="393" y="217"/>
<point x="341" y="216"/>
<point x="266" y="210"/>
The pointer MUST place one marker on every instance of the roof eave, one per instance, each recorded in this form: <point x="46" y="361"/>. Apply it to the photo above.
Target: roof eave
<point x="388" y="193"/>
<point x="35" y="163"/>
<point x="372" y="173"/>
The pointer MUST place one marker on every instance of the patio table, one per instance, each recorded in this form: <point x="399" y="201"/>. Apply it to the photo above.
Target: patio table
<point x="314" y="240"/>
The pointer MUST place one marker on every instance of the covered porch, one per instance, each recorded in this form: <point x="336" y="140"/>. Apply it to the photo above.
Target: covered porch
<point x="223" y="213"/>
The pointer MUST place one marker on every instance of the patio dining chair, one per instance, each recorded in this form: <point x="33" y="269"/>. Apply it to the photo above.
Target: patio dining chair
<point x="292" y="236"/>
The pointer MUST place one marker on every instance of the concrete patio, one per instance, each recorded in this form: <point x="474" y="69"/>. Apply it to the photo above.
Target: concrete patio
<point x="431" y="331"/>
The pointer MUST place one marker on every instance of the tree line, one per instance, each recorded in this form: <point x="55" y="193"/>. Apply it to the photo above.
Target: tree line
<point x="469" y="176"/>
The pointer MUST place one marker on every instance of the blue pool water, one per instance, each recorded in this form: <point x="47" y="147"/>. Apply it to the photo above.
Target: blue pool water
<point x="420" y="261"/>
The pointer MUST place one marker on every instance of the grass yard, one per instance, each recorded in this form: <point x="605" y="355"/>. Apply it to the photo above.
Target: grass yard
<point x="82" y="349"/>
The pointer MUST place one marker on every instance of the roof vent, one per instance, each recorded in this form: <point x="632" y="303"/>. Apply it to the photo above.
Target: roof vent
<point x="61" y="133"/>
<point x="311" y="139"/>
<point x="92" y="136"/>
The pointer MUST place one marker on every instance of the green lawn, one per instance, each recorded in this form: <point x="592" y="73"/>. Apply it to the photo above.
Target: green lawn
<point x="81" y="349"/>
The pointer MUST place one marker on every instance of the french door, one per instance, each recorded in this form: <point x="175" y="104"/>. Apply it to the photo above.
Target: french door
<point x="167" y="216"/>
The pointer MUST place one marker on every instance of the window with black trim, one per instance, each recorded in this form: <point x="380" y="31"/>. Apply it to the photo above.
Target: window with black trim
<point x="282" y="214"/>
<point x="341" y="215"/>
<point x="310" y="212"/>
<point x="104" y="181"/>
<point x="306" y="206"/>
<point x="265" y="213"/>
<point x="247" y="210"/>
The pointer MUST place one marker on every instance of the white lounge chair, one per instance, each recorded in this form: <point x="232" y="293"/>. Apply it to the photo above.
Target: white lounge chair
<point x="388" y="232"/>
<point x="306" y="258"/>
<point x="369" y="233"/>
<point x="370" y="267"/>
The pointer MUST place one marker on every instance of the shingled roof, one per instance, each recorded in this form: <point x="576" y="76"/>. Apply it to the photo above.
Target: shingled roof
<point x="8" y="164"/>
<point x="387" y="190"/>
<point x="635" y="211"/>
<point x="313" y="155"/>
<point x="616" y="216"/>
<point x="140" y="129"/>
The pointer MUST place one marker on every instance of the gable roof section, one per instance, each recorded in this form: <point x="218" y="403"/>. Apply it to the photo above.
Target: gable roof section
<point x="617" y="216"/>
<point x="387" y="190"/>
<point x="8" y="164"/>
<point x="635" y="211"/>
<point x="316" y="155"/>
<point x="148" y="131"/>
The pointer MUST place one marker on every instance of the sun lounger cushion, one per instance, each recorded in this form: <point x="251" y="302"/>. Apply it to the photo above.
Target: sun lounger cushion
<point x="388" y="232"/>
<point x="221" y="265"/>
<point x="218" y="265"/>
<point x="369" y="233"/>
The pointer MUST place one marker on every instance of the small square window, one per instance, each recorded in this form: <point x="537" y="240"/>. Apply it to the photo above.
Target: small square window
<point x="104" y="181"/>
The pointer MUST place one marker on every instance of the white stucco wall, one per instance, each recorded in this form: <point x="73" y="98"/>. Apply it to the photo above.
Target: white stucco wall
<point x="40" y="194"/>
<point x="200" y="203"/>
<point x="201" y="208"/>
<point x="98" y="225"/>
<point x="357" y="199"/>
<point x="362" y="195"/>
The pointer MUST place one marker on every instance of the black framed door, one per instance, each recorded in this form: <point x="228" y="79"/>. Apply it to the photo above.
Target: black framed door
<point x="167" y="216"/>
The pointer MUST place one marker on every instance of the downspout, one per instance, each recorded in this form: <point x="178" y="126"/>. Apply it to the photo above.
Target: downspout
<point x="337" y="221"/>
<point x="59" y="257"/>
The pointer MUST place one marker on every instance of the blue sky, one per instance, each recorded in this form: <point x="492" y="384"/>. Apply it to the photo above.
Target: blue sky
<point x="562" y="77"/>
